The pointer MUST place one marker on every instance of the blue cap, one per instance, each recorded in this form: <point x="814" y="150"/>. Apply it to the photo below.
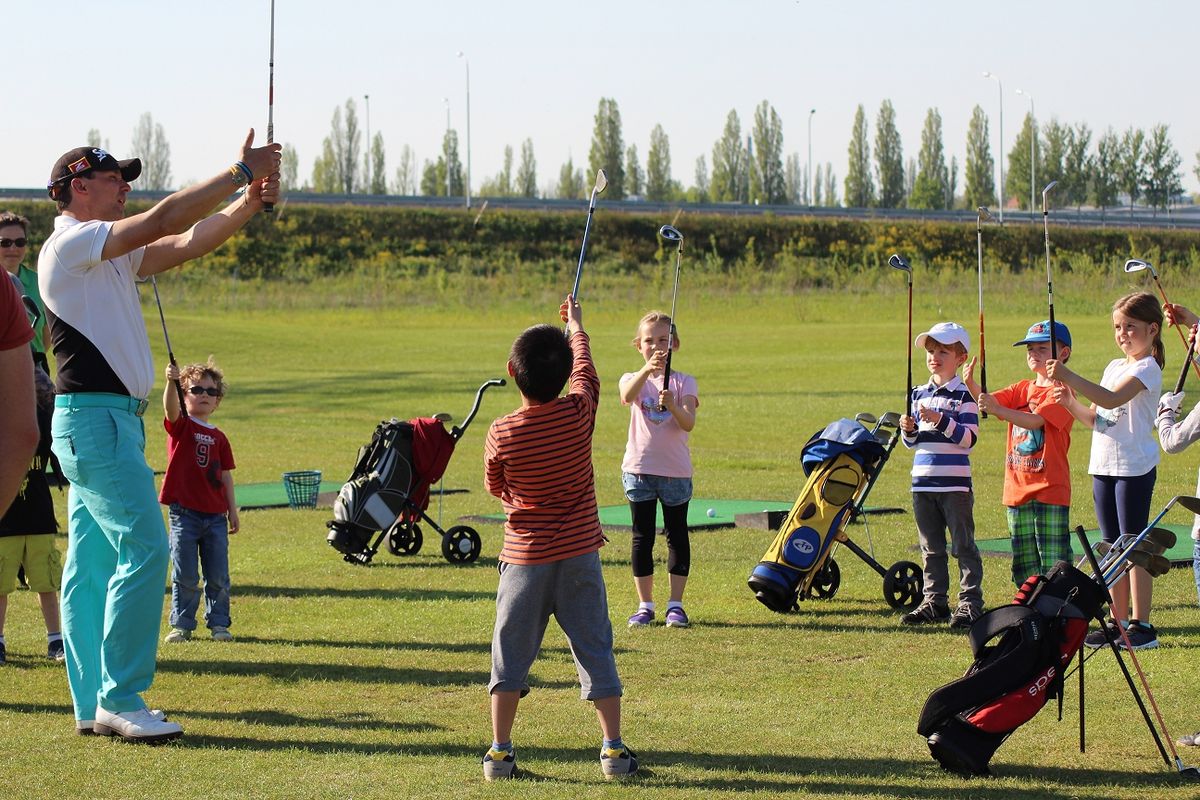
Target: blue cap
<point x="1040" y="332"/>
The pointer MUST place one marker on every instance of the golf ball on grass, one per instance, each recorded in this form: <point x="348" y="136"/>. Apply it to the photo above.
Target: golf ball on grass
<point x="712" y="512"/>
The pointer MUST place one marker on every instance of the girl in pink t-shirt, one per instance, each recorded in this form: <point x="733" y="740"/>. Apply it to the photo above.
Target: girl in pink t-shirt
<point x="658" y="466"/>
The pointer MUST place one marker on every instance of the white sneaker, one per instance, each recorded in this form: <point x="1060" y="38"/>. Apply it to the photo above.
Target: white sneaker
<point x="221" y="635"/>
<point x="135" y="726"/>
<point x="86" y="727"/>
<point x="177" y="635"/>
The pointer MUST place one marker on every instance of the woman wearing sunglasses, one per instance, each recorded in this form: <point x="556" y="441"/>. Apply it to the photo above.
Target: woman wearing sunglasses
<point x="14" y="245"/>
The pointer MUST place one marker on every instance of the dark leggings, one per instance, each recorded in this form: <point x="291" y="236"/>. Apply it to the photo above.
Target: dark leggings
<point x="1122" y="504"/>
<point x="679" y="548"/>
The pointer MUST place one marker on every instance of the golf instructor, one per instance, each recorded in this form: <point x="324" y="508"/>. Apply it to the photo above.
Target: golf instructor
<point x="112" y="592"/>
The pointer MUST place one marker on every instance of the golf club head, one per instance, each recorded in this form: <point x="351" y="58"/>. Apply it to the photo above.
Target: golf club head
<point x="601" y="182"/>
<point x="1189" y="772"/>
<point x="899" y="263"/>
<point x="1192" y="504"/>
<point x="890" y="420"/>
<point x="1047" y="189"/>
<point x="670" y="233"/>
<point x="1137" y="265"/>
<point x="865" y="418"/>
<point x="984" y="214"/>
<point x="1156" y="566"/>
<point x="443" y="416"/>
<point x="1162" y="537"/>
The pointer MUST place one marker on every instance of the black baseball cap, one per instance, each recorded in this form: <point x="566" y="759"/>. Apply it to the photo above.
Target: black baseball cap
<point x="82" y="160"/>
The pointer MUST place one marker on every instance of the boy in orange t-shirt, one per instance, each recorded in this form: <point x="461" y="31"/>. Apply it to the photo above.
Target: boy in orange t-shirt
<point x="1037" y="475"/>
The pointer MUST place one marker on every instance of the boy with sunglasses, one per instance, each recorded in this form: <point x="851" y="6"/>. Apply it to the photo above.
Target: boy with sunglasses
<point x="198" y="490"/>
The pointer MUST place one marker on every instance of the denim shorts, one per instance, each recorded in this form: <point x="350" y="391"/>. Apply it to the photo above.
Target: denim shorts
<point x="671" y="491"/>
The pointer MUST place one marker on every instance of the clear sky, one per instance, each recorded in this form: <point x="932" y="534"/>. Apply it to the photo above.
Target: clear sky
<point x="539" y="67"/>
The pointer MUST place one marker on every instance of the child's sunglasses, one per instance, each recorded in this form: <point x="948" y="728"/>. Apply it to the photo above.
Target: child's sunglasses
<point x="208" y="390"/>
<point x="21" y="242"/>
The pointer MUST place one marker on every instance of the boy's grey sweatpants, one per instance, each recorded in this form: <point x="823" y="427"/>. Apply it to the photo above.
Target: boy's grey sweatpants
<point x="572" y="590"/>
<point x="934" y="512"/>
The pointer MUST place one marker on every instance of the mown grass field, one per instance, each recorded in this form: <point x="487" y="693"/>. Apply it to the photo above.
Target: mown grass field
<point x="371" y="682"/>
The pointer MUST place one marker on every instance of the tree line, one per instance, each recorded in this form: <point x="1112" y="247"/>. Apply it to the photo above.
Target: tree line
<point x="751" y="167"/>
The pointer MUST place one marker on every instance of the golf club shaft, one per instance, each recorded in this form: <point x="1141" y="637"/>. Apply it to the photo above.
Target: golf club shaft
<point x="269" y="208"/>
<point x="1182" y="336"/>
<point x="587" y="227"/>
<point x="170" y="353"/>
<point x="908" y="348"/>
<point x="982" y="350"/>
<point x="1149" y="694"/>
<point x="1049" y="278"/>
<point x="671" y="344"/>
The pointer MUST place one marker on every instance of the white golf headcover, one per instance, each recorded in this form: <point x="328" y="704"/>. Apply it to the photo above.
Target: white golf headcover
<point x="1172" y="401"/>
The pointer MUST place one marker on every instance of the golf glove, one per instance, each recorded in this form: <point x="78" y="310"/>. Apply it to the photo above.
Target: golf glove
<point x="1171" y="400"/>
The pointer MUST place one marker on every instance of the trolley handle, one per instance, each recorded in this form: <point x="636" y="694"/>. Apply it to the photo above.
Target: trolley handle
<point x="457" y="431"/>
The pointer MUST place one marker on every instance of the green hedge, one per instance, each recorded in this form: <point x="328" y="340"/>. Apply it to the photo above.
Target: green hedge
<point x="311" y="241"/>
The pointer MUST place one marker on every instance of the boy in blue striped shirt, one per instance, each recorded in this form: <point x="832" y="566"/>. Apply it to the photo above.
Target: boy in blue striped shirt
<point x="941" y="435"/>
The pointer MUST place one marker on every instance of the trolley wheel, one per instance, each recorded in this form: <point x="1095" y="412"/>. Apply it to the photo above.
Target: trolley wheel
<point x="902" y="585"/>
<point x="827" y="580"/>
<point x="404" y="539"/>
<point x="461" y="545"/>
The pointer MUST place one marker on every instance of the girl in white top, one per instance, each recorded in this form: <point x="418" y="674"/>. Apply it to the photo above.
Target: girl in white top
<point x="1124" y="458"/>
<point x="657" y="466"/>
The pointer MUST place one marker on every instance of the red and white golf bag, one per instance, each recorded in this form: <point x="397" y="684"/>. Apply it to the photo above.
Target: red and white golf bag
<point x="1021" y="653"/>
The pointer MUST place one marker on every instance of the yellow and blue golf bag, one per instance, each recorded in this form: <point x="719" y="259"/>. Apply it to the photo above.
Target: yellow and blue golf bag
<point x="839" y="462"/>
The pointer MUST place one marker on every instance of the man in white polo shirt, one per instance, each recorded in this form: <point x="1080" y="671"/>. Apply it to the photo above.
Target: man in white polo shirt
<point x="112" y="592"/>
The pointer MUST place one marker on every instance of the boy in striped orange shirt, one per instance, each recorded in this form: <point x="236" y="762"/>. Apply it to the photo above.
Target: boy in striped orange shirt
<point x="538" y="461"/>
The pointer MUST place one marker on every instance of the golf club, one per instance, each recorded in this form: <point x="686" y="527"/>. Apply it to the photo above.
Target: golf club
<point x="984" y="216"/>
<point x="167" y="339"/>
<point x="1183" y="370"/>
<point x="899" y="263"/>
<point x="672" y="235"/>
<point x="1049" y="279"/>
<point x="1137" y="265"/>
<point x="269" y="208"/>
<point x="601" y="185"/>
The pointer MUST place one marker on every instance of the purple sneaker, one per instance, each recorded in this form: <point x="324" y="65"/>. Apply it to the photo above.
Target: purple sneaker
<point x="676" y="618"/>
<point x="643" y="617"/>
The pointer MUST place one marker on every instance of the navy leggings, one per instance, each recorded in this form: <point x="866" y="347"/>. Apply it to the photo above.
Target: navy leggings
<point x="1123" y="504"/>
<point x="679" y="547"/>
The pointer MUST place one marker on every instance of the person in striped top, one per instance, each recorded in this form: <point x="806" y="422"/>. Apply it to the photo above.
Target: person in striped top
<point x="942" y="435"/>
<point x="538" y="461"/>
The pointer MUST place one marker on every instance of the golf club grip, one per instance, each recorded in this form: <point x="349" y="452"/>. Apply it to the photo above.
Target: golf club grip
<point x="178" y="386"/>
<point x="1184" y="369"/>
<point x="667" y="371"/>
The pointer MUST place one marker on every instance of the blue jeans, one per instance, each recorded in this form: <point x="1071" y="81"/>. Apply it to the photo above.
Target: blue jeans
<point x="199" y="536"/>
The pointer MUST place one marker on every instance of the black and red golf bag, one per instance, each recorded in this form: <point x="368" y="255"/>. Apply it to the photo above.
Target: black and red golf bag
<point x="1021" y="653"/>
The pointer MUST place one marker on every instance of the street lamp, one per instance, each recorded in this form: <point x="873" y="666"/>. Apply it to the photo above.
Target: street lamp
<point x="811" y="111"/>
<point x="1032" y="153"/>
<point x="1000" y="147"/>
<point x="446" y="100"/>
<point x="367" y="99"/>
<point x="467" y="62"/>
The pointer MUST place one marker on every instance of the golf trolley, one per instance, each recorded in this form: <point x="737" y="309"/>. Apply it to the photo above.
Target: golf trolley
<point x="1023" y="651"/>
<point x="842" y="462"/>
<point x="388" y="490"/>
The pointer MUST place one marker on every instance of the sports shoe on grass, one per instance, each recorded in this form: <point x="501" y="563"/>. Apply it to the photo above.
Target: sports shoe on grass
<point x="1142" y="635"/>
<point x="220" y="634"/>
<point x="1098" y="638"/>
<point x="676" y="617"/>
<point x="617" y="762"/>
<point x="964" y="616"/>
<point x="86" y="727"/>
<point x="55" y="651"/>
<point x="140" y="726"/>
<point x="499" y="764"/>
<point x="926" y="613"/>
<point x="644" y="616"/>
<point x="177" y="635"/>
<point x="1191" y="740"/>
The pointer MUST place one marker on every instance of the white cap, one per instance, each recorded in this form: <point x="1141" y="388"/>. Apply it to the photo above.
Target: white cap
<point x="945" y="333"/>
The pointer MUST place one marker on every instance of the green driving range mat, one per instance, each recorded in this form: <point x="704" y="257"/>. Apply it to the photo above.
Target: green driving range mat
<point x="1179" y="555"/>
<point x="273" y="495"/>
<point x="724" y="513"/>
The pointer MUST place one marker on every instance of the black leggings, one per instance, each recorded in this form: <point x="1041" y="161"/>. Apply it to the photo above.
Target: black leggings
<point x="679" y="548"/>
